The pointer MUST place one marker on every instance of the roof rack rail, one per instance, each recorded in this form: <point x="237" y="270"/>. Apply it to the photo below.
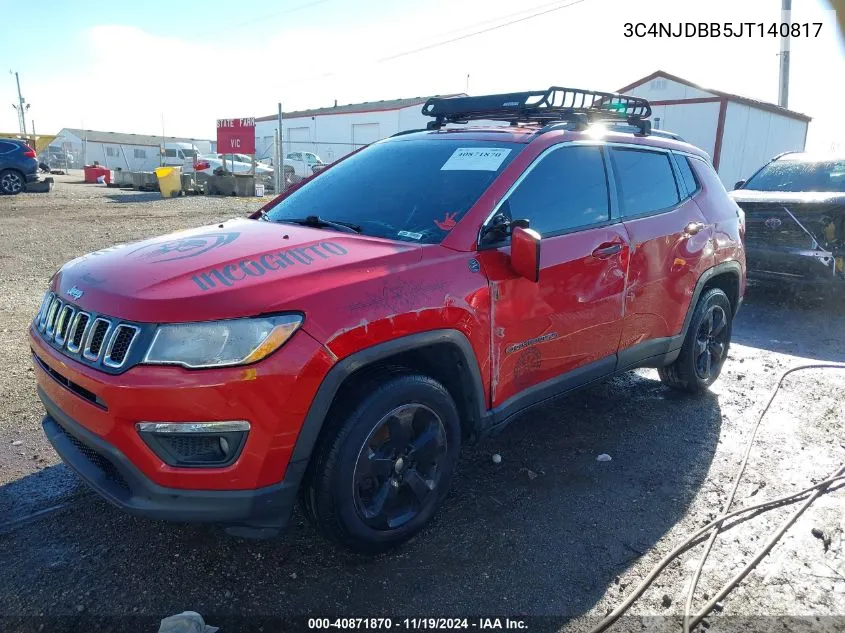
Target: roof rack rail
<point x="543" y="106"/>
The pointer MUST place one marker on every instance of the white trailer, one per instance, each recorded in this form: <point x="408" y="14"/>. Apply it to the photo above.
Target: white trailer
<point x="739" y="133"/>
<point x="129" y="152"/>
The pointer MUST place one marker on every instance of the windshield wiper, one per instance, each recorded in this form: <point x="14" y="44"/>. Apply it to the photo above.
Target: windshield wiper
<point x="318" y="223"/>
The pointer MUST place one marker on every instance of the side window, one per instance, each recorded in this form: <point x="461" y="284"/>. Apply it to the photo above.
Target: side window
<point x="6" y="147"/>
<point x="687" y="174"/>
<point x="644" y="179"/>
<point x="140" y="153"/>
<point x="170" y="153"/>
<point x="567" y="189"/>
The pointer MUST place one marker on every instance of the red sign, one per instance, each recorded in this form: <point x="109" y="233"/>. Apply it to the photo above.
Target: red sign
<point x="236" y="136"/>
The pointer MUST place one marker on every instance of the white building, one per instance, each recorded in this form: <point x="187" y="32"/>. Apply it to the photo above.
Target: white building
<point x="131" y="152"/>
<point x="739" y="133"/>
<point x="333" y="132"/>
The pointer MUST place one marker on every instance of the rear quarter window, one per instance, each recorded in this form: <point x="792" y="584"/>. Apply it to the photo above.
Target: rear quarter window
<point x="687" y="174"/>
<point x="706" y="175"/>
<point x="644" y="180"/>
<point x="5" y="147"/>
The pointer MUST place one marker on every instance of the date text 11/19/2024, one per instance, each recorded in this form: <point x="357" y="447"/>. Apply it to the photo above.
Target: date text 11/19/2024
<point x="416" y="624"/>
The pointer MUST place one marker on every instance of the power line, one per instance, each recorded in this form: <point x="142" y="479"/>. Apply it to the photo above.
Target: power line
<point x="473" y="34"/>
<point x="263" y="18"/>
<point x="557" y="7"/>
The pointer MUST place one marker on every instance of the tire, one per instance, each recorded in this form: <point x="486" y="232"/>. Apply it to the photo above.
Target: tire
<point x="366" y="487"/>
<point x="705" y="347"/>
<point x="11" y="182"/>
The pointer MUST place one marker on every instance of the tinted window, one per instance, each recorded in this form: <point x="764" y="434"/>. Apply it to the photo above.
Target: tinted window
<point x="170" y="153"/>
<point x="645" y="181"/>
<point x="6" y="147"/>
<point x="800" y="175"/>
<point x="413" y="190"/>
<point x="567" y="189"/>
<point x="686" y="174"/>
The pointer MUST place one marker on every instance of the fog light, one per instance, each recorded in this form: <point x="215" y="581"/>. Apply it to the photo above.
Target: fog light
<point x="195" y="444"/>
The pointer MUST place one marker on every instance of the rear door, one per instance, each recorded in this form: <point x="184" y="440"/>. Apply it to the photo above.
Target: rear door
<point x="671" y="245"/>
<point x="564" y="329"/>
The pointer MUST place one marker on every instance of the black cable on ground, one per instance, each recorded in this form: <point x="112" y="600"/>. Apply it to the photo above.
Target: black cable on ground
<point x="717" y="523"/>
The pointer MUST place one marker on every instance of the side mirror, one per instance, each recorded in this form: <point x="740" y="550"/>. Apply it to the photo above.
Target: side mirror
<point x="525" y="253"/>
<point x="739" y="184"/>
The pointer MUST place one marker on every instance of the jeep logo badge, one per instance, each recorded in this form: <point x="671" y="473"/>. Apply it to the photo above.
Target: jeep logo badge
<point x="75" y="293"/>
<point x="773" y="223"/>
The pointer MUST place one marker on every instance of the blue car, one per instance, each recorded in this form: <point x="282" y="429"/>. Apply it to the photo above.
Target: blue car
<point x="18" y="166"/>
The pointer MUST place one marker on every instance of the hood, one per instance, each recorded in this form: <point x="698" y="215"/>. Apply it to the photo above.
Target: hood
<point x="235" y="269"/>
<point x="787" y="197"/>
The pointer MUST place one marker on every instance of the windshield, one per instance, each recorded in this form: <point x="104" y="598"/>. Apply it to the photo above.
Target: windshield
<point x="794" y="175"/>
<point x="410" y="190"/>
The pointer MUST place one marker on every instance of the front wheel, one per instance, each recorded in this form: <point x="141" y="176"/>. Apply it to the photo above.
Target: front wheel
<point x="705" y="346"/>
<point x="11" y="182"/>
<point x="388" y="464"/>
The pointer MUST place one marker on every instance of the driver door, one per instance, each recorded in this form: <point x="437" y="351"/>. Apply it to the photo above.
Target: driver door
<point x="563" y="330"/>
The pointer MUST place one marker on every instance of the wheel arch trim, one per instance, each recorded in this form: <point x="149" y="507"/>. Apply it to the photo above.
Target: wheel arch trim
<point x="344" y="368"/>
<point x="731" y="267"/>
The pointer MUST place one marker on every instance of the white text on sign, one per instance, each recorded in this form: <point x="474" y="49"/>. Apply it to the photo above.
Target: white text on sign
<point x="250" y="122"/>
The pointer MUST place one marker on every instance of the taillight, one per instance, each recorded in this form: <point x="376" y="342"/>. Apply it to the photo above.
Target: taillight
<point x="29" y="153"/>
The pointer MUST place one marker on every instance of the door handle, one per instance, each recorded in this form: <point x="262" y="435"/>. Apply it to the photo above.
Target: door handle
<point x="693" y="228"/>
<point x="607" y="250"/>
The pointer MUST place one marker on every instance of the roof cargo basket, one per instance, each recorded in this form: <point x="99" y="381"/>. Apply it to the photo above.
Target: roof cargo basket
<point x="545" y="106"/>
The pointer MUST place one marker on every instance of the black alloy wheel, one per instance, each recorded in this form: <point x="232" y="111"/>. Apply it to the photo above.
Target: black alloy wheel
<point x="706" y="344"/>
<point x="399" y="466"/>
<point x="711" y="343"/>
<point x="385" y="464"/>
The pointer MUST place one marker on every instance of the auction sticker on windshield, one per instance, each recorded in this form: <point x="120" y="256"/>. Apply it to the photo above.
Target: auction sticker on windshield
<point x="476" y="159"/>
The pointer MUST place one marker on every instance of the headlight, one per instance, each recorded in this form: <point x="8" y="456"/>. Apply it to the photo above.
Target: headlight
<point x="221" y="343"/>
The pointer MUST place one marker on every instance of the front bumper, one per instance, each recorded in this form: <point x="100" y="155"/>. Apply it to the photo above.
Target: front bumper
<point x="108" y="471"/>
<point x="795" y="267"/>
<point x="273" y="395"/>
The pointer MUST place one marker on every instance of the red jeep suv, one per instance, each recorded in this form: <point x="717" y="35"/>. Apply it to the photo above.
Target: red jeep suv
<point x="341" y="344"/>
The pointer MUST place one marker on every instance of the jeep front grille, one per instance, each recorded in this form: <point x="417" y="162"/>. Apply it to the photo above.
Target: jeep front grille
<point x="63" y="323"/>
<point x="94" y="343"/>
<point x="119" y="345"/>
<point x="77" y="331"/>
<point x="91" y="338"/>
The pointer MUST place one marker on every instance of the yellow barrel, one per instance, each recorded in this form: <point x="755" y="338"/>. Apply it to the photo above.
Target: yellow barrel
<point x="169" y="181"/>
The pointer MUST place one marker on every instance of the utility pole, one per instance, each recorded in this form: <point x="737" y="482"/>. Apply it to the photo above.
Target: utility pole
<point x="783" y="88"/>
<point x="21" y="108"/>
<point x="281" y="166"/>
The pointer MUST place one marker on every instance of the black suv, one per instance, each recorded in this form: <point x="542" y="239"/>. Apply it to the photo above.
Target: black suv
<point x="795" y="219"/>
<point x="18" y="166"/>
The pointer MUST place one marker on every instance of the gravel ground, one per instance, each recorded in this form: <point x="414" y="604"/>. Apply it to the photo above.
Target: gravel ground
<point x="548" y="532"/>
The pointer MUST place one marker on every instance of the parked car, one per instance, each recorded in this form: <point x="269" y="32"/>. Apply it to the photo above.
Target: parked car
<point x="795" y="212"/>
<point x="208" y="163"/>
<point x="18" y="166"/>
<point x="247" y="158"/>
<point x="182" y="155"/>
<point x="346" y="340"/>
<point x="304" y="163"/>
